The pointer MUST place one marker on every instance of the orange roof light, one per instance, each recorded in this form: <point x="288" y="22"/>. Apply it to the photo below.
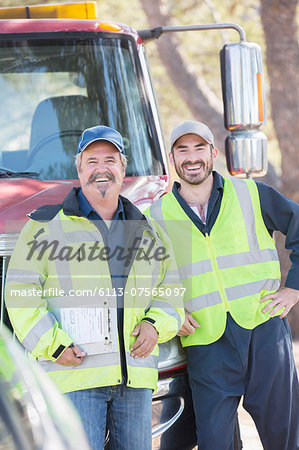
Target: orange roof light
<point x="84" y="10"/>
<point x="110" y="26"/>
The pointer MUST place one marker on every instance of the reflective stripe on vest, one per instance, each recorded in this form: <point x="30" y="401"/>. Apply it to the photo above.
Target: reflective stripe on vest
<point x="104" y="360"/>
<point x="168" y="308"/>
<point x="92" y="362"/>
<point x="41" y="327"/>
<point x="24" y="277"/>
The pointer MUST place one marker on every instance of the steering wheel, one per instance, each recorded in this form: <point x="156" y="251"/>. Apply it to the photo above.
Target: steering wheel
<point x="36" y="148"/>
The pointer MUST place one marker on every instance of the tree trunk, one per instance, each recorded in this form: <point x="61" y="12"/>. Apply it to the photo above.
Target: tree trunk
<point x="282" y="54"/>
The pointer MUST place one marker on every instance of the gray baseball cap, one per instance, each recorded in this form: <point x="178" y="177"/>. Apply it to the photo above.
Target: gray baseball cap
<point x="192" y="127"/>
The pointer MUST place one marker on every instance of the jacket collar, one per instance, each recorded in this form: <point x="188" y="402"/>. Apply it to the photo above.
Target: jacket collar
<point x="70" y="207"/>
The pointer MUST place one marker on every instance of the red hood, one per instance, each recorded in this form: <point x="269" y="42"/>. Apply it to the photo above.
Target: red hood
<point x="59" y="25"/>
<point x="19" y="196"/>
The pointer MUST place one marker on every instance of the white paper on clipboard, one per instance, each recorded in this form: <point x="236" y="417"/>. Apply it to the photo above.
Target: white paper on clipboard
<point x="84" y="324"/>
<point x="93" y="328"/>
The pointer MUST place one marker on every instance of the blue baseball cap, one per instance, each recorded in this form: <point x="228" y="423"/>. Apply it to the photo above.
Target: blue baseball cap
<point x="101" y="133"/>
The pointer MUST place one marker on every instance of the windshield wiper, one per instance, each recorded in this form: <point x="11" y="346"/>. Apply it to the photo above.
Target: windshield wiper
<point x="7" y="173"/>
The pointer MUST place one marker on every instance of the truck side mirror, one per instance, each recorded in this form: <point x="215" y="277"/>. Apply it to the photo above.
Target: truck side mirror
<point x="244" y="108"/>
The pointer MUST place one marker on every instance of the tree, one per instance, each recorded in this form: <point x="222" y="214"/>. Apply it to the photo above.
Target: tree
<point x="202" y="102"/>
<point x="282" y="57"/>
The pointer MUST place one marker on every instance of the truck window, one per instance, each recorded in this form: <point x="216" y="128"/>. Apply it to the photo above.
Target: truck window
<point x="52" y="89"/>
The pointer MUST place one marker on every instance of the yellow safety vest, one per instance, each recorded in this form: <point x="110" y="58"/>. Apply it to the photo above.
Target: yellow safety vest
<point x="228" y="270"/>
<point x="37" y="278"/>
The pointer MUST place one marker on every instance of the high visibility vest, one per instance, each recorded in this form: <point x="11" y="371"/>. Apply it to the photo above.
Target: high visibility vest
<point x="64" y="271"/>
<point x="228" y="270"/>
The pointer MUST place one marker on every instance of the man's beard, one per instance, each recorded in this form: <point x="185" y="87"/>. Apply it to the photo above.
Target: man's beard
<point x="102" y="189"/>
<point x="207" y="168"/>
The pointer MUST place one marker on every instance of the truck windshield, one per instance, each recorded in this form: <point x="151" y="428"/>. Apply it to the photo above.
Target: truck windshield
<point x="52" y="89"/>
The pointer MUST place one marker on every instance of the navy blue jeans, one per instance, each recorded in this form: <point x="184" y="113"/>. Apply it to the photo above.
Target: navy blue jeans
<point x="127" y="412"/>
<point x="257" y="364"/>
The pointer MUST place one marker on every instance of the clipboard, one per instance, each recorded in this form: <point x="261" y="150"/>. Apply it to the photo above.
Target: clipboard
<point x="93" y="326"/>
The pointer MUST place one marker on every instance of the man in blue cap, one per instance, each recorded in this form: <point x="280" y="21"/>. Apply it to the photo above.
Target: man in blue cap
<point x="103" y="356"/>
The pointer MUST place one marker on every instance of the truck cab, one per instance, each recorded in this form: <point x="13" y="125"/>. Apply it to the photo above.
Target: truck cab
<point x="59" y="77"/>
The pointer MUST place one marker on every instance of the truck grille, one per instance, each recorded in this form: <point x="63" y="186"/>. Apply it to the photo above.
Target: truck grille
<point x="3" y="312"/>
<point x="7" y="244"/>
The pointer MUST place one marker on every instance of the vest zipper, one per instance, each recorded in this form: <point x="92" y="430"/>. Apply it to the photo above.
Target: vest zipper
<point x="122" y="354"/>
<point x="217" y="272"/>
<point x="123" y="361"/>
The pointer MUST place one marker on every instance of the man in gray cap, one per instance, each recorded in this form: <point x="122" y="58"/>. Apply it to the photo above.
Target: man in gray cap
<point x="89" y="261"/>
<point x="236" y="333"/>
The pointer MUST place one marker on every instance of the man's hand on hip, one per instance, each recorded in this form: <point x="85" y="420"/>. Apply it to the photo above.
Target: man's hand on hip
<point x="188" y="326"/>
<point x="72" y="356"/>
<point x="283" y="298"/>
<point x="146" y="340"/>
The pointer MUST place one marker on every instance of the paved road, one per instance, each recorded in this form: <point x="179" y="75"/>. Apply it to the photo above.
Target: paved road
<point x="249" y="434"/>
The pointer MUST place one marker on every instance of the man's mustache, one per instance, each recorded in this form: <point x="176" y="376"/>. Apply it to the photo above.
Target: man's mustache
<point x="108" y="175"/>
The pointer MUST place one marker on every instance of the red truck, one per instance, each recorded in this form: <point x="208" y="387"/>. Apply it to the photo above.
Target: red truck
<point x="62" y="70"/>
